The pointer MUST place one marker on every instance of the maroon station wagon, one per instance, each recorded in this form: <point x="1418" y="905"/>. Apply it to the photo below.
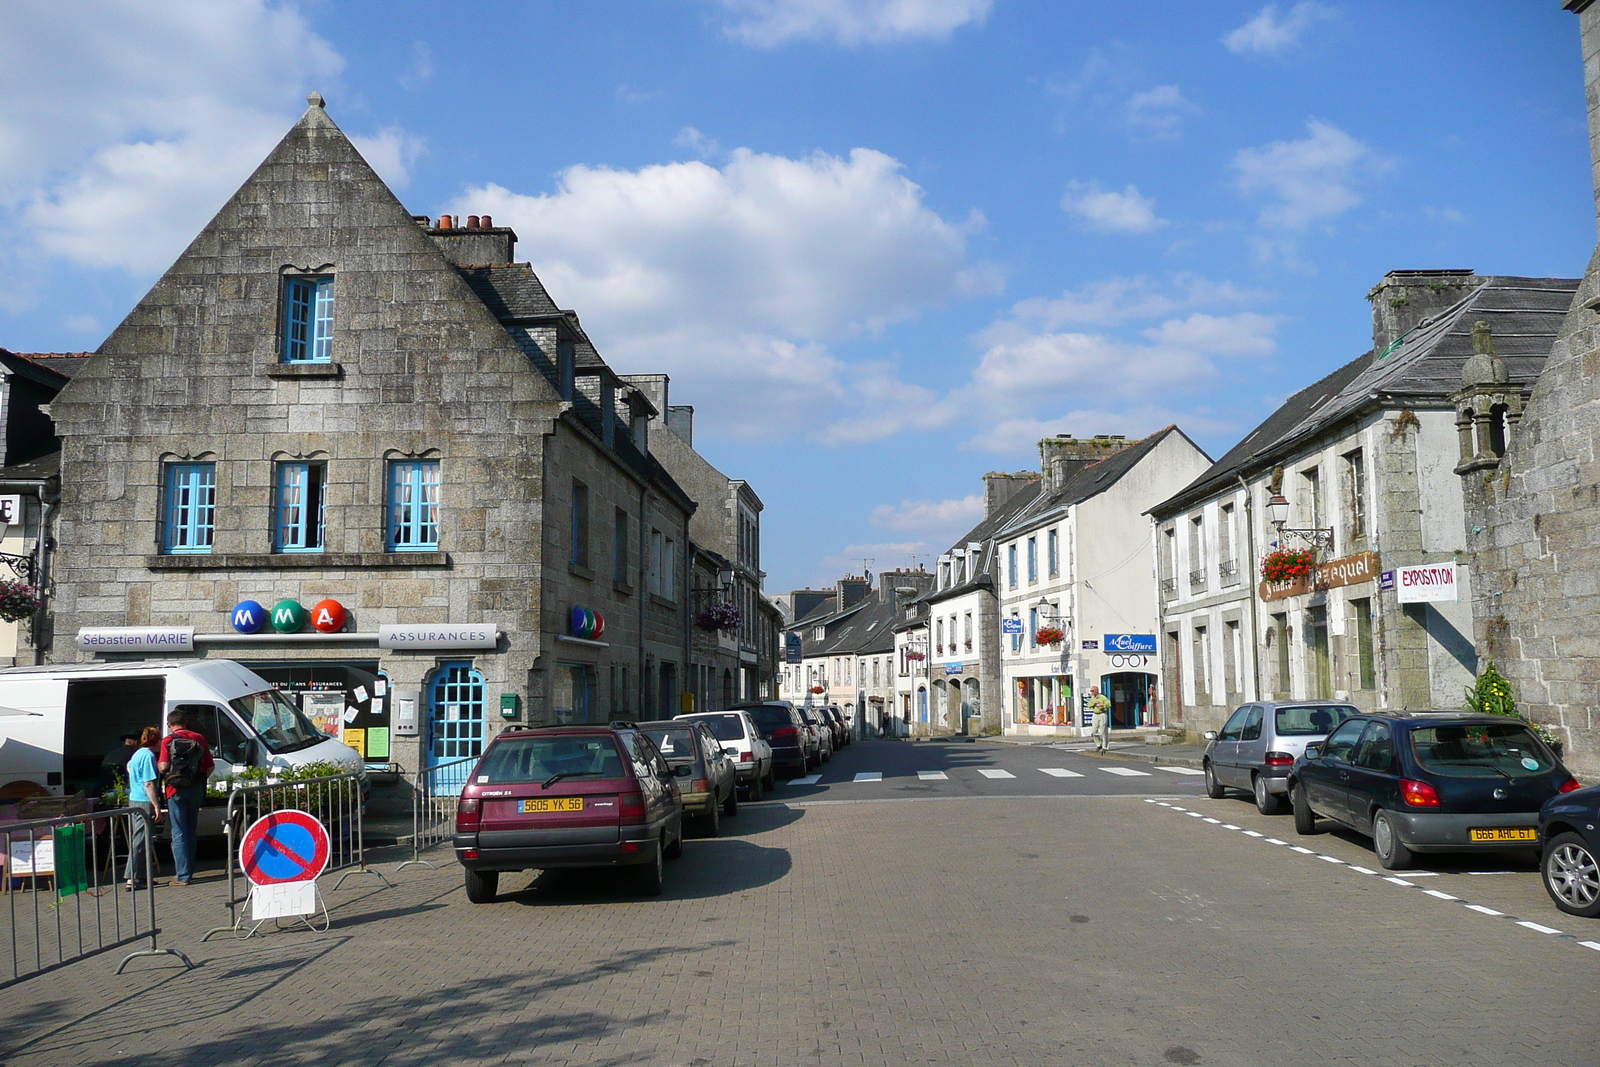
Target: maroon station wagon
<point x="568" y="796"/>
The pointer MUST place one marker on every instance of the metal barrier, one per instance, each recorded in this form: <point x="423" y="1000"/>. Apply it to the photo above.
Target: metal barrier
<point x="334" y="800"/>
<point x="87" y="910"/>
<point x="434" y="792"/>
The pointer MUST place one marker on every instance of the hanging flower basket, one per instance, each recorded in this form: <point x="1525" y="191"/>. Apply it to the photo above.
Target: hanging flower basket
<point x="1050" y="635"/>
<point x="816" y="689"/>
<point x="916" y="655"/>
<point x="719" y="617"/>
<point x="17" y="601"/>
<point x="1287" y="564"/>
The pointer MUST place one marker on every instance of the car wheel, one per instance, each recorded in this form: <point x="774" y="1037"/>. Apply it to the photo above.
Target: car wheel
<point x="713" y="821"/>
<point x="814" y="762"/>
<point x="755" y="789"/>
<point x="1267" y="802"/>
<point x="674" y="849"/>
<point x="1305" y="820"/>
<point x="1386" y="843"/>
<point x="1214" y="788"/>
<point x="731" y="805"/>
<point x="481" y="886"/>
<point x="771" y="779"/>
<point x="1571" y="875"/>
<point x="650" y="876"/>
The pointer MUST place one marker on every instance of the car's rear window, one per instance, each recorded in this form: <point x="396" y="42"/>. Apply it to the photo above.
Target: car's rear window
<point x="1481" y="750"/>
<point x="770" y="718"/>
<point x="1311" y="719"/>
<point x="534" y="759"/>
<point x="724" y="727"/>
<point x="674" y="744"/>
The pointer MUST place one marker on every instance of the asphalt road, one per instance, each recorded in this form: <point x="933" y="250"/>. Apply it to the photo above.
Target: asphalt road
<point x="1115" y="920"/>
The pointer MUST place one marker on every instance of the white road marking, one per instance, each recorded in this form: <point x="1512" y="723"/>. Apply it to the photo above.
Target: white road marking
<point x="1179" y="770"/>
<point x="1229" y="826"/>
<point x="1536" y="928"/>
<point x="1213" y="822"/>
<point x="1481" y="910"/>
<point x="1491" y="872"/>
<point x="1302" y="850"/>
<point x="991" y="773"/>
<point x="1400" y="881"/>
<point x="1274" y="841"/>
<point x="1126" y="772"/>
<point x="1441" y="896"/>
<point x="1148" y="800"/>
<point x="1252" y="833"/>
<point x="810" y="779"/>
<point x="1361" y="870"/>
<point x="933" y="776"/>
<point x="1194" y="815"/>
<point x="1424" y="874"/>
<point x="1330" y="859"/>
<point x="1061" y="772"/>
<point x="1591" y="944"/>
<point x="868" y="776"/>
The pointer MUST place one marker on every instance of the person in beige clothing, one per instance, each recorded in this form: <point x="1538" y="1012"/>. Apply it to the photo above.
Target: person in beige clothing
<point x="1100" y="705"/>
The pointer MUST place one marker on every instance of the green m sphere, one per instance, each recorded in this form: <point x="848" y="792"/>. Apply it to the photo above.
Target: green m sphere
<point x="289" y="616"/>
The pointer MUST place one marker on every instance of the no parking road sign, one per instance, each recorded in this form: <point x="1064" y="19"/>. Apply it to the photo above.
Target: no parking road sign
<point x="284" y="846"/>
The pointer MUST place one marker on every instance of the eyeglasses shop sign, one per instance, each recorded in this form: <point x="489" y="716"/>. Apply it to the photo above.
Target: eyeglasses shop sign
<point x="1426" y="584"/>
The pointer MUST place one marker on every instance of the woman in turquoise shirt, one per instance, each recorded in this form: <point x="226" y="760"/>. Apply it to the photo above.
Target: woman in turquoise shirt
<point x="144" y="793"/>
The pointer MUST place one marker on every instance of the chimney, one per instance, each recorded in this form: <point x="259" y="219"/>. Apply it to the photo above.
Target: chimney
<point x="1062" y="456"/>
<point x="655" y="387"/>
<point x="804" y="601"/>
<point x="851" y="590"/>
<point x="900" y="587"/>
<point x="1405" y="297"/>
<point x="680" y="420"/>
<point x="998" y="487"/>
<point x="476" y="243"/>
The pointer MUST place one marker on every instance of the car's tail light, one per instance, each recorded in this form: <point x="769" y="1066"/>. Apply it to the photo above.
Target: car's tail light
<point x="467" y="812"/>
<point x="747" y="757"/>
<point x="469" y="853"/>
<point x="1279" y="759"/>
<point x="1418" y="794"/>
<point x="630" y="846"/>
<point x="1569" y="785"/>
<point x="786" y="733"/>
<point x="700" y="785"/>
<point x="631" y="804"/>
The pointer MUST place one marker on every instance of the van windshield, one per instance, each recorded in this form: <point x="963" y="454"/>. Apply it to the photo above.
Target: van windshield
<point x="278" y="721"/>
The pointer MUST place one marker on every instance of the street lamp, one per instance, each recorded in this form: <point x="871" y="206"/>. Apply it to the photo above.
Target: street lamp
<point x="1278" y="516"/>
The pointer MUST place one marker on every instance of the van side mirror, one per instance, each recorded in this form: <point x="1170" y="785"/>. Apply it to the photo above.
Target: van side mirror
<point x="1210" y="735"/>
<point x="244" y="753"/>
<point x="1313" y="751"/>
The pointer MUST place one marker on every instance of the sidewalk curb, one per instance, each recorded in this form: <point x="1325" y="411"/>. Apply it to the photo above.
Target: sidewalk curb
<point x="1148" y="757"/>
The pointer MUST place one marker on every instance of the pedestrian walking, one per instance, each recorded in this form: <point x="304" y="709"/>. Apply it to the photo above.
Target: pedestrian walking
<point x="186" y="764"/>
<point x="1100" y="705"/>
<point x="144" y="794"/>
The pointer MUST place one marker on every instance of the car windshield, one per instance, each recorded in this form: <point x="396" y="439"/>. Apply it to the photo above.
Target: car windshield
<point x="1310" y="720"/>
<point x="535" y="759"/>
<point x="676" y="745"/>
<point x="770" y="718"/>
<point x="1481" y="750"/>
<point x="278" y="721"/>
<point x="724" y="727"/>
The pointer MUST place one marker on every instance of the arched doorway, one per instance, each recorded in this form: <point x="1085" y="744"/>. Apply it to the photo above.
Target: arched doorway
<point x="971" y="706"/>
<point x="1129" y="692"/>
<point x="922" y="703"/>
<point x="455" y="713"/>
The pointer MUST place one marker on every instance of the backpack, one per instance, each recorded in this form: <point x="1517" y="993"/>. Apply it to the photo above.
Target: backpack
<point x="183" y="762"/>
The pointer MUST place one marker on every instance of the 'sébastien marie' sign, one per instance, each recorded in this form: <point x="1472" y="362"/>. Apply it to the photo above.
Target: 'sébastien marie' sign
<point x="1346" y="570"/>
<point x="436" y="636"/>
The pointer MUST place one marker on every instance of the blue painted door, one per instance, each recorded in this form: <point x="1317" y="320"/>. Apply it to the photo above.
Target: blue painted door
<point x="455" y="713"/>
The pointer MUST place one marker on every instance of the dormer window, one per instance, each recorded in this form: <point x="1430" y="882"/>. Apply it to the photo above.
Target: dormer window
<point x="308" y="319"/>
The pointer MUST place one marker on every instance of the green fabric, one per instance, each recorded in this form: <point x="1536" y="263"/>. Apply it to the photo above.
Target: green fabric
<point x="72" y="873"/>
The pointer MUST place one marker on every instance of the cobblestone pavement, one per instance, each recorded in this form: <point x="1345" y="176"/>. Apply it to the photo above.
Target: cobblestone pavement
<point x="989" y="929"/>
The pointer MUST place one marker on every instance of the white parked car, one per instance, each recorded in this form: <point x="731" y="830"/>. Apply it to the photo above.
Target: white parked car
<point x="751" y="755"/>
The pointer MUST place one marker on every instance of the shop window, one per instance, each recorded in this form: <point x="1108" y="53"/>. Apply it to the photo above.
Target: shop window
<point x="308" y="320"/>
<point x="302" y="494"/>
<point x="574" y="693"/>
<point x="414" y="505"/>
<point x="191" y="507"/>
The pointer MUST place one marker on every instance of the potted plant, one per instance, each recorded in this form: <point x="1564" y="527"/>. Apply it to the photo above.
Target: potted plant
<point x="1287" y="564"/>
<point x="1049" y="635"/>
<point x="18" y="601"/>
<point x="816" y="689"/>
<point x="1490" y="694"/>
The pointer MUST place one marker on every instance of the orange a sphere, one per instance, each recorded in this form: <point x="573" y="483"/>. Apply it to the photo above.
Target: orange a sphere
<point x="328" y="616"/>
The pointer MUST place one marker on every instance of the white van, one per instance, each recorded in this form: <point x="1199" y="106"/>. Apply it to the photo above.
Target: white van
<point x="58" y="722"/>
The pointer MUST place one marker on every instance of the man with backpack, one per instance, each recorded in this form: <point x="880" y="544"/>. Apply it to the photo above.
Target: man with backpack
<point x="186" y="763"/>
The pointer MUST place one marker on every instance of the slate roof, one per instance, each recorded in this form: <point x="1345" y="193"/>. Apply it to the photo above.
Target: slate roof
<point x="867" y="632"/>
<point x="53" y="369"/>
<point x="1422" y="368"/>
<point x="512" y="291"/>
<point x="47" y="466"/>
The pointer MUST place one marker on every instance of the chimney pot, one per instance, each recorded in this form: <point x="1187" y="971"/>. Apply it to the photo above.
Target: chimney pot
<point x="444" y="222"/>
<point x="472" y="222"/>
<point x="487" y="222"/>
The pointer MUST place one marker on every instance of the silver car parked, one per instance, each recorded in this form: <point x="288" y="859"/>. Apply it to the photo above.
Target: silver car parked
<point x="1256" y="747"/>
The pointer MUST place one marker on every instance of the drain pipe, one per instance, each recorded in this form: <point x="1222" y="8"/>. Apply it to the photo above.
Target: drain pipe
<point x="1255" y="618"/>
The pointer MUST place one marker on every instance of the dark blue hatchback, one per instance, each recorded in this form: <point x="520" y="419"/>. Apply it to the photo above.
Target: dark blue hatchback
<point x="1429" y="781"/>
<point x="1569" y="851"/>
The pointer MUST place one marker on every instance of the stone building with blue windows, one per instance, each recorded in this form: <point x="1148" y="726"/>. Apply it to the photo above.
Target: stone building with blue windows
<point x="329" y="403"/>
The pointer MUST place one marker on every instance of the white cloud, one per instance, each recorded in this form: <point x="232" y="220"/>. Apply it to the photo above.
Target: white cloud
<point x="697" y="142"/>
<point x="736" y="279"/>
<point x="919" y="515"/>
<point x="1243" y="335"/>
<point x="1111" y="212"/>
<point x="1157" y="113"/>
<point x="1308" y="180"/>
<point x="1118" y="300"/>
<point x="391" y="153"/>
<point x="767" y="23"/>
<point x="141" y="119"/>
<point x="880" y="556"/>
<point x="1268" y="34"/>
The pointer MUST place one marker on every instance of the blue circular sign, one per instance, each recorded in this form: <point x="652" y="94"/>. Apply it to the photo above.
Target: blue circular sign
<point x="249" y="617"/>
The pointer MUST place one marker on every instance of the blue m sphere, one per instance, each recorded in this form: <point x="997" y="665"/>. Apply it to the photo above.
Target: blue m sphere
<point x="249" y="617"/>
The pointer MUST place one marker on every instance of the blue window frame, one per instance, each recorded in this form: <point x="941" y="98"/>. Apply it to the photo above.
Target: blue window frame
<point x="302" y="491"/>
<point x="1011" y="564"/>
<point x="307" y="320"/>
<point x="1033" y="627"/>
<point x="413" y="505"/>
<point x="191" y="507"/>
<point x="1053" y="551"/>
<point x="1033" y="559"/>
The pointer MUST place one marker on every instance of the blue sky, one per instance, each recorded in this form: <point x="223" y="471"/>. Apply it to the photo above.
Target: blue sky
<point x="881" y="245"/>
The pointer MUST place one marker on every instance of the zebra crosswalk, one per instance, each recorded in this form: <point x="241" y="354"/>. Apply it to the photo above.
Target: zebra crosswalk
<point x="991" y="773"/>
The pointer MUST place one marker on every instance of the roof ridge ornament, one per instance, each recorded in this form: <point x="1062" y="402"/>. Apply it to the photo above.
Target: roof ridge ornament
<point x="315" y="99"/>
